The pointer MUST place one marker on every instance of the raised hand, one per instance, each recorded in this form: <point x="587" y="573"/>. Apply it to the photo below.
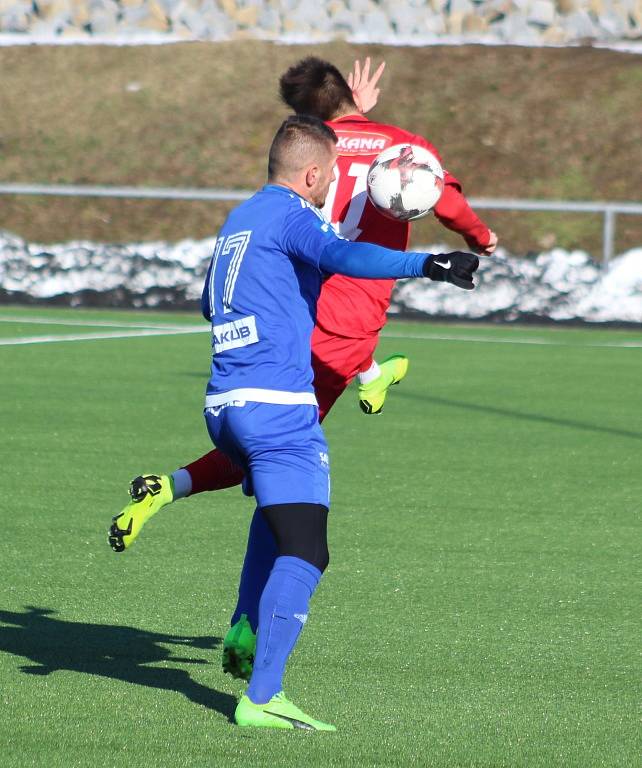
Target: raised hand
<point x="364" y="88"/>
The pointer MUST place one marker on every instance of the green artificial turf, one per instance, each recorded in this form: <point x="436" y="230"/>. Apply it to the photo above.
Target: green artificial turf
<point x="480" y="608"/>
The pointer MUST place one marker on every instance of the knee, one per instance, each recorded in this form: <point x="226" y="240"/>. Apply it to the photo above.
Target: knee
<point x="318" y="556"/>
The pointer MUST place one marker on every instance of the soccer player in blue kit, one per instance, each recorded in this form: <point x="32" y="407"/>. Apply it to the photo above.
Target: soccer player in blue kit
<point x="260" y="295"/>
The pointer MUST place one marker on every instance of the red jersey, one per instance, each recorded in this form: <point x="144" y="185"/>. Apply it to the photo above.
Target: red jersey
<point x="357" y="308"/>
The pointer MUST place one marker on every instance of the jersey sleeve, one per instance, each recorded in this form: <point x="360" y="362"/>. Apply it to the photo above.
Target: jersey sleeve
<point x="367" y="260"/>
<point x="308" y="236"/>
<point x="454" y="212"/>
<point x="452" y="208"/>
<point x="306" y="232"/>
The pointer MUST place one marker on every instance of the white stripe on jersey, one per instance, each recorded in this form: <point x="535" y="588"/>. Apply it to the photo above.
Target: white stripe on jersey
<point x="238" y="245"/>
<point x="217" y="253"/>
<point x="273" y="396"/>
<point x="317" y="211"/>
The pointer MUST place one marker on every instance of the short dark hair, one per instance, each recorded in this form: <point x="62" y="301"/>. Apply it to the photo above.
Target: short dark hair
<point x="316" y="87"/>
<point x="295" y="143"/>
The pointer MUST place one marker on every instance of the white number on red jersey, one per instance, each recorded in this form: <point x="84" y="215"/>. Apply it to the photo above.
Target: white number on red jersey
<point x="348" y="227"/>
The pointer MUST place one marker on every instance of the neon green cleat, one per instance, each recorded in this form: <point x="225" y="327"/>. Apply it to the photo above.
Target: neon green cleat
<point x="239" y="647"/>
<point x="149" y="494"/>
<point x="277" y="713"/>
<point x="372" y="396"/>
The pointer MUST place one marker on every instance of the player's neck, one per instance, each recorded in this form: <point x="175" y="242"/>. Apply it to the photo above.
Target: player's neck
<point x="350" y="112"/>
<point x="299" y="189"/>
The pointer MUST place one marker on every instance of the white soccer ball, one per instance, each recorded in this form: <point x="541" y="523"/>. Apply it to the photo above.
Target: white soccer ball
<point x="405" y="182"/>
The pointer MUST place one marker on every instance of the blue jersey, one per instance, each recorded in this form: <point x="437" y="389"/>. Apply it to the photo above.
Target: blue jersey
<point x="260" y="295"/>
<point x="261" y="292"/>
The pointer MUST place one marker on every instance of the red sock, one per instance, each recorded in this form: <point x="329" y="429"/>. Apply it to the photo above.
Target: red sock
<point x="213" y="472"/>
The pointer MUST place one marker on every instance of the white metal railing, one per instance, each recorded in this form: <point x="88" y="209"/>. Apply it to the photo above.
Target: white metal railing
<point x="609" y="210"/>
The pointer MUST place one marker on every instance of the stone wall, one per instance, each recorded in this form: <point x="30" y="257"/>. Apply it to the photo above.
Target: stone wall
<point x="530" y="22"/>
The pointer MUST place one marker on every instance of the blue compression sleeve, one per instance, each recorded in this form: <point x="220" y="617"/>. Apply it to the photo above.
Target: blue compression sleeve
<point x="368" y="260"/>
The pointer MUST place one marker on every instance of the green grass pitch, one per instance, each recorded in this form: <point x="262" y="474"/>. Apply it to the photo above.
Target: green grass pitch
<point x="481" y="604"/>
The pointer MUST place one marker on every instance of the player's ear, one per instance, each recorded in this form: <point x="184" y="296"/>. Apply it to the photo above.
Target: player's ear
<point x="312" y="176"/>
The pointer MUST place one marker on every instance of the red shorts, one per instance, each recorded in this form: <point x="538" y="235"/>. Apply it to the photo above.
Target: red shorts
<point x="336" y="361"/>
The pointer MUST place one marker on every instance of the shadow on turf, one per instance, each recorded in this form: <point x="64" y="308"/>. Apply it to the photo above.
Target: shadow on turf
<point x="521" y="415"/>
<point x="110" y="651"/>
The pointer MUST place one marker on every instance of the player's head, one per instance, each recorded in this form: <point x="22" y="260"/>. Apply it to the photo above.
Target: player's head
<point x="302" y="156"/>
<point x="316" y="87"/>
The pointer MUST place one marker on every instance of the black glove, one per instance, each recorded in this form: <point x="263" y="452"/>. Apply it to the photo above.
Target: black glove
<point x="456" y="268"/>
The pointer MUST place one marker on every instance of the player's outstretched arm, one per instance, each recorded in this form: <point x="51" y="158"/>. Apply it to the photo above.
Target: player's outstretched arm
<point x="364" y="88"/>
<point x="454" y="212"/>
<point x="307" y="236"/>
<point x="373" y="261"/>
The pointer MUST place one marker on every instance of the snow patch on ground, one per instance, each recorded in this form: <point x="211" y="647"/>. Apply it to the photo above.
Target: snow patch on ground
<point x="556" y="285"/>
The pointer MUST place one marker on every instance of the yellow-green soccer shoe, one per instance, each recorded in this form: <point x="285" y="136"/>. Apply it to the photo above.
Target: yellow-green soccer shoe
<point x="277" y="713"/>
<point x="149" y="494"/>
<point x="239" y="647"/>
<point x="372" y="396"/>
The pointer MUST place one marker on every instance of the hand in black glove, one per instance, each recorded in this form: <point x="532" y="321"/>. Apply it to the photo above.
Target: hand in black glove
<point x="456" y="268"/>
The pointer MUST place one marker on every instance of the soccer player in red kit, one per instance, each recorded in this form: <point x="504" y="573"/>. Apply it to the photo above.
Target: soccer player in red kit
<point x="350" y="309"/>
<point x="350" y="314"/>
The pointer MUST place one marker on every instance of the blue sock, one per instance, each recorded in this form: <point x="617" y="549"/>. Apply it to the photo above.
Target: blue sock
<point x="260" y="554"/>
<point x="282" y="613"/>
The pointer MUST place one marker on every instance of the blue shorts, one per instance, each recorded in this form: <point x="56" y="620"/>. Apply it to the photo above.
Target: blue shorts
<point x="280" y="447"/>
